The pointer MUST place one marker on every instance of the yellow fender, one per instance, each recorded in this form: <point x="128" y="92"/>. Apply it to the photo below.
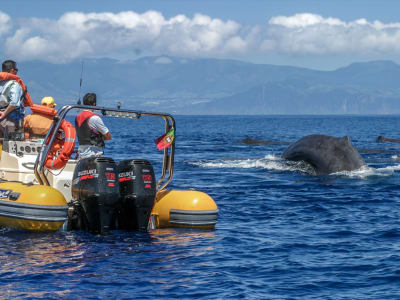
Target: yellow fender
<point x="31" y="207"/>
<point x="189" y="209"/>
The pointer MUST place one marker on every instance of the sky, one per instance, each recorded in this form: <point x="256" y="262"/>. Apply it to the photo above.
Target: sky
<point x="317" y="34"/>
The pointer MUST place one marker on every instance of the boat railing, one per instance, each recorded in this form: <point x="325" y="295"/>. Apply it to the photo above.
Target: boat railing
<point x="168" y="156"/>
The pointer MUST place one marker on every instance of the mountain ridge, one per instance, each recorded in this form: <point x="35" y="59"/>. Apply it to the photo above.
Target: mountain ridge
<point x="219" y="86"/>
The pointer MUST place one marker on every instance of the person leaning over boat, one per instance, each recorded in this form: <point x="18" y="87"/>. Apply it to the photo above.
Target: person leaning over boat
<point x="11" y="104"/>
<point x="37" y="125"/>
<point x="91" y="130"/>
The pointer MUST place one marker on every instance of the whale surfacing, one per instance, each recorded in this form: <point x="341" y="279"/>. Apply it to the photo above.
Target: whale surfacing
<point x="326" y="154"/>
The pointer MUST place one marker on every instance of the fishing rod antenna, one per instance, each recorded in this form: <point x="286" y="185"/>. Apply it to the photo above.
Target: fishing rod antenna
<point x="80" y="86"/>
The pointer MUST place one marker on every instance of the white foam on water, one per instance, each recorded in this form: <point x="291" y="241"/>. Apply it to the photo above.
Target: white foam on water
<point x="366" y="171"/>
<point x="273" y="162"/>
<point x="269" y="162"/>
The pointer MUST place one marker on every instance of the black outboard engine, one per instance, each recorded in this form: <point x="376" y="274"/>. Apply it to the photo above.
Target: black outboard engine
<point x="138" y="191"/>
<point x="95" y="190"/>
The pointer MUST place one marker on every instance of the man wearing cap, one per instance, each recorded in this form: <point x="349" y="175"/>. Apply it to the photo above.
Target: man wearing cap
<point x="11" y="104"/>
<point x="37" y="125"/>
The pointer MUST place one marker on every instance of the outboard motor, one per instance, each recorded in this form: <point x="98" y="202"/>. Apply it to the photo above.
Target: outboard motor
<point x="95" y="189"/>
<point x="138" y="191"/>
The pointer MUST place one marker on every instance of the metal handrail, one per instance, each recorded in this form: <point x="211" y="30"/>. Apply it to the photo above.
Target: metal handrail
<point x="169" y="152"/>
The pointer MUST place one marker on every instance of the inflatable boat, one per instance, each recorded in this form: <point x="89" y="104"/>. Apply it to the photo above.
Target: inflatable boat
<point x="44" y="188"/>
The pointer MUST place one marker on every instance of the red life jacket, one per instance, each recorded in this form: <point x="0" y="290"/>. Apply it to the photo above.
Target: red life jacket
<point x="86" y="135"/>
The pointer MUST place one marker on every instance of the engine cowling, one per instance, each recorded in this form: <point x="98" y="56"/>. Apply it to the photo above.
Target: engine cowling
<point x="137" y="191"/>
<point x="95" y="188"/>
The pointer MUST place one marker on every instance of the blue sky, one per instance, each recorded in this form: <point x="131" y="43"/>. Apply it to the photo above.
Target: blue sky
<point x="316" y="34"/>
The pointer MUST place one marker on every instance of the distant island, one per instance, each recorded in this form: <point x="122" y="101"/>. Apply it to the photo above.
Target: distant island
<point x="220" y="86"/>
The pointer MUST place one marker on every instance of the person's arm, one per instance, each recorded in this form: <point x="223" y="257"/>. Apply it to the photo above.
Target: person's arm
<point x="5" y="113"/>
<point x="96" y="123"/>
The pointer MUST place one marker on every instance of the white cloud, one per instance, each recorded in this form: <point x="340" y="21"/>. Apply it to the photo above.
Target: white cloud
<point x="75" y="35"/>
<point x="308" y="34"/>
<point x="5" y="23"/>
<point x="303" y="20"/>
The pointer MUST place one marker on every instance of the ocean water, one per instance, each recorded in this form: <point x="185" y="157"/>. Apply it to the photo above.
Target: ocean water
<point x="282" y="232"/>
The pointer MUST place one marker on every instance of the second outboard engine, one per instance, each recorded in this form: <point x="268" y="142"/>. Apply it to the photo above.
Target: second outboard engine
<point x="95" y="190"/>
<point x="138" y="191"/>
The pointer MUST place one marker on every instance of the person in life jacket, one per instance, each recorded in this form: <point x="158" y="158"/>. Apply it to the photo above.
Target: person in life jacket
<point x="11" y="104"/>
<point x="91" y="130"/>
<point x="37" y="124"/>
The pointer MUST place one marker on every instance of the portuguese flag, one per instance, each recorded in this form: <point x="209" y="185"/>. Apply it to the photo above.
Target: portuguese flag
<point x="165" y="140"/>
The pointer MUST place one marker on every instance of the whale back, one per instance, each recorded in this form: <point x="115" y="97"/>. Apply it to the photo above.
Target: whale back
<point x="326" y="154"/>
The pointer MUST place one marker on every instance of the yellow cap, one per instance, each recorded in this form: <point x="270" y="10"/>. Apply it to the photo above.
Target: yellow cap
<point x="48" y="101"/>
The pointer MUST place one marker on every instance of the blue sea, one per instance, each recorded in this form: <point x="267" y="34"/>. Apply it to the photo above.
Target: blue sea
<point x="282" y="233"/>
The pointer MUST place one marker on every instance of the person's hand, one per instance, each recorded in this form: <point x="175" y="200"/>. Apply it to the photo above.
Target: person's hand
<point x="1" y="115"/>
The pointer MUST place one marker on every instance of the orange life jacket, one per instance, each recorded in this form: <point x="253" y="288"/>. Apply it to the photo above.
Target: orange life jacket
<point x="35" y="108"/>
<point x="8" y="76"/>
<point x="43" y="110"/>
<point x="37" y="125"/>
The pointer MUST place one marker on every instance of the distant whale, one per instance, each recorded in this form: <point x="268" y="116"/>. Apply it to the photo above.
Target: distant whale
<point x="376" y="151"/>
<point x="326" y="154"/>
<point x="251" y="141"/>
<point x="382" y="139"/>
